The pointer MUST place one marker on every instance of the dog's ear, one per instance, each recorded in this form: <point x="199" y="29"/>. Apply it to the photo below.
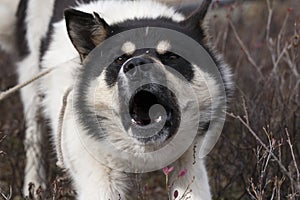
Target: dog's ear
<point x="196" y="19"/>
<point x="85" y="30"/>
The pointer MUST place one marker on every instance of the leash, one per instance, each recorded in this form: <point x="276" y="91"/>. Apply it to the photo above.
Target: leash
<point x="9" y="92"/>
<point x="60" y="158"/>
<point x="16" y="88"/>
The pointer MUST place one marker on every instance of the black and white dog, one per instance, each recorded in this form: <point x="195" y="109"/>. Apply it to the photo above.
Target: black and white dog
<point x="99" y="49"/>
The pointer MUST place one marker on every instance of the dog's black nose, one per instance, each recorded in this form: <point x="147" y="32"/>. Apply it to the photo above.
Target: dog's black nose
<point x="130" y="67"/>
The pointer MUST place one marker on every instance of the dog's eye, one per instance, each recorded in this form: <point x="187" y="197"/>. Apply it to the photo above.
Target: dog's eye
<point x="169" y="56"/>
<point x="120" y="60"/>
<point x="173" y="57"/>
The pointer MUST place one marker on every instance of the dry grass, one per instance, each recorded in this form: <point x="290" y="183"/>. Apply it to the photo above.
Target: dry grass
<point x="253" y="158"/>
<point x="258" y="154"/>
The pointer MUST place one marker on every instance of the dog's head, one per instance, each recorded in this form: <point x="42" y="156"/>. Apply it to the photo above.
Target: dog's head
<point x="132" y="93"/>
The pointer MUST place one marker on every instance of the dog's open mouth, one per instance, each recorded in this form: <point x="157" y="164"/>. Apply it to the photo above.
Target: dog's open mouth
<point x="154" y="113"/>
<point x="140" y="107"/>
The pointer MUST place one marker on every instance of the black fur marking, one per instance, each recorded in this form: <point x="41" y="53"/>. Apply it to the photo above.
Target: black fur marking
<point x="92" y="122"/>
<point x="203" y="127"/>
<point x="195" y="32"/>
<point x="80" y="23"/>
<point x="197" y="17"/>
<point x="169" y="59"/>
<point x="195" y="23"/>
<point x="186" y="27"/>
<point x="45" y="42"/>
<point x="21" y="30"/>
<point x="111" y="74"/>
<point x="85" y="30"/>
<point x="181" y="65"/>
<point x="178" y="63"/>
<point x="187" y="9"/>
<point x="228" y="88"/>
<point x="61" y="5"/>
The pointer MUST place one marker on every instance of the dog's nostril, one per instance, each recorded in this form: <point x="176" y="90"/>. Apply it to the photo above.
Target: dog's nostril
<point x="135" y="62"/>
<point x="129" y="67"/>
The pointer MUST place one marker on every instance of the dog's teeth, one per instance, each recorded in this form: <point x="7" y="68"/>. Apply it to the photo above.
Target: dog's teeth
<point x="133" y="121"/>
<point x="158" y="119"/>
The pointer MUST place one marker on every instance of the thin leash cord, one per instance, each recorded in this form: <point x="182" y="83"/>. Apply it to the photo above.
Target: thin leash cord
<point x="60" y="158"/>
<point x="16" y="88"/>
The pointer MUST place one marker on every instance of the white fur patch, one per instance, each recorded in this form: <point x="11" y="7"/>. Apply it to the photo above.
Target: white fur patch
<point x="163" y="46"/>
<point x="128" y="48"/>
<point x="118" y="11"/>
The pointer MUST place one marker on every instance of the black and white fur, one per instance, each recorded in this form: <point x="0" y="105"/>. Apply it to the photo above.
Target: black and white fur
<point x="45" y="39"/>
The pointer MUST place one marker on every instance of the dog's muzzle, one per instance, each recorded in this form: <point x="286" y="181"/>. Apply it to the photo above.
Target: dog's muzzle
<point x="149" y="110"/>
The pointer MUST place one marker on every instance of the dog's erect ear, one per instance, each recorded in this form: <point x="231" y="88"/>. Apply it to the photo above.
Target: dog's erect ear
<point x="195" y="20"/>
<point x="85" y="30"/>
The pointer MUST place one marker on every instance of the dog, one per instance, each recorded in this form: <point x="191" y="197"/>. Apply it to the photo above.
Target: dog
<point x="119" y="73"/>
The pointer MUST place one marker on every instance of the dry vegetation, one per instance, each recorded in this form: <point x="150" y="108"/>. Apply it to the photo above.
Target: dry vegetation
<point x="258" y="154"/>
<point x="254" y="159"/>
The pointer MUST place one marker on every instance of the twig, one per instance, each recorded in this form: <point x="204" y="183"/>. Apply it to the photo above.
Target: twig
<point x="271" y="146"/>
<point x="282" y="31"/>
<point x="284" y="50"/>
<point x="284" y="170"/>
<point x="7" y="197"/>
<point x="291" y="64"/>
<point x="245" y="50"/>
<point x="269" y="40"/>
<point x="245" y="108"/>
<point x="278" y="184"/>
<point x="225" y="37"/>
<point x="270" y="14"/>
<point x="293" y="155"/>
<point x="186" y="192"/>
<point x="1" y="139"/>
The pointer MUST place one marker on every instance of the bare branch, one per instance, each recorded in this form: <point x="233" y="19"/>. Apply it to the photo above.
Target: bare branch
<point x="269" y="40"/>
<point x="245" y="50"/>
<point x="8" y="196"/>
<point x="284" y="170"/>
<point x="293" y="155"/>
<point x="281" y="32"/>
<point x="225" y="37"/>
